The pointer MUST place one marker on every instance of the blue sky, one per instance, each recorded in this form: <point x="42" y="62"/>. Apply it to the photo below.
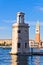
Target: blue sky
<point x="33" y="10"/>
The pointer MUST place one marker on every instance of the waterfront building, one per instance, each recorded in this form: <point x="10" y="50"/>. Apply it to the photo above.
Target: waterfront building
<point x="31" y="43"/>
<point x="20" y="35"/>
<point x="5" y="42"/>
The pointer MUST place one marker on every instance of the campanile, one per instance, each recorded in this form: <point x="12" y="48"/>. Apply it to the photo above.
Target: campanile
<point x="37" y="39"/>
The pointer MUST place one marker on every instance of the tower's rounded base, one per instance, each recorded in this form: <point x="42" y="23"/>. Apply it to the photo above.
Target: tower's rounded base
<point x="18" y="53"/>
<point x="13" y="53"/>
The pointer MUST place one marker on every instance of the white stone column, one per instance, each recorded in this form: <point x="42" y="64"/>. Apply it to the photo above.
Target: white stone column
<point x="18" y="19"/>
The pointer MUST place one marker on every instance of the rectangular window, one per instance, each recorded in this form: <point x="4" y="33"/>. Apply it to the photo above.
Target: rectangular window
<point x="25" y="45"/>
<point x="19" y="31"/>
<point x="18" y="45"/>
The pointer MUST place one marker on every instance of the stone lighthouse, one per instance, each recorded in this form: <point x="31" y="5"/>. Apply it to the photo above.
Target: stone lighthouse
<point x="37" y="40"/>
<point x="20" y="35"/>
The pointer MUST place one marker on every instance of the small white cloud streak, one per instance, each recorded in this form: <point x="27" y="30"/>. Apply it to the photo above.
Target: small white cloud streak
<point x="33" y="23"/>
<point x="29" y="22"/>
<point x="9" y="21"/>
<point x="2" y="28"/>
<point x="39" y="8"/>
<point x="6" y="22"/>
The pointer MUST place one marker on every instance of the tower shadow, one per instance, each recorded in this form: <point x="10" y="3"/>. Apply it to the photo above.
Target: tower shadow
<point x="19" y="60"/>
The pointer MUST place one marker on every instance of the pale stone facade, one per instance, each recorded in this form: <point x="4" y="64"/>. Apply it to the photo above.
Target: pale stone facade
<point x="20" y="35"/>
<point x="31" y="43"/>
<point x="5" y="42"/>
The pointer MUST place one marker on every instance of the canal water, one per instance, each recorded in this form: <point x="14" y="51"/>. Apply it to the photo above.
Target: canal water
<point x="7" y="59"/>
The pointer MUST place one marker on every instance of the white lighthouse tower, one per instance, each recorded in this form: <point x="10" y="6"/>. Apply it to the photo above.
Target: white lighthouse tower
<point x="20" y="35"/>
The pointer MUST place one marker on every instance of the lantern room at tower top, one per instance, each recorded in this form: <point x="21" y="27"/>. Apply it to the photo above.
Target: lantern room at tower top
<point x="20" y="17"/>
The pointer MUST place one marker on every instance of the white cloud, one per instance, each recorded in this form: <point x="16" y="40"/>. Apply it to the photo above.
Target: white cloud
<point x="41" y="23"/>
<point x="39" y="8"/>
<point x="29" y="22"/>
<point x="33" y="23"/>
<point x="2" y="28"/>
<point x="9" y="21"/>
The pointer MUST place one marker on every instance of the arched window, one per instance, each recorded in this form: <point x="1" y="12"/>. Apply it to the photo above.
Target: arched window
<point x="18" y="45"/>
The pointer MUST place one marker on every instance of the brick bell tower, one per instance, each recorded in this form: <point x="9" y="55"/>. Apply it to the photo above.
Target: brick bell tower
<point x="37" y="39"/>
